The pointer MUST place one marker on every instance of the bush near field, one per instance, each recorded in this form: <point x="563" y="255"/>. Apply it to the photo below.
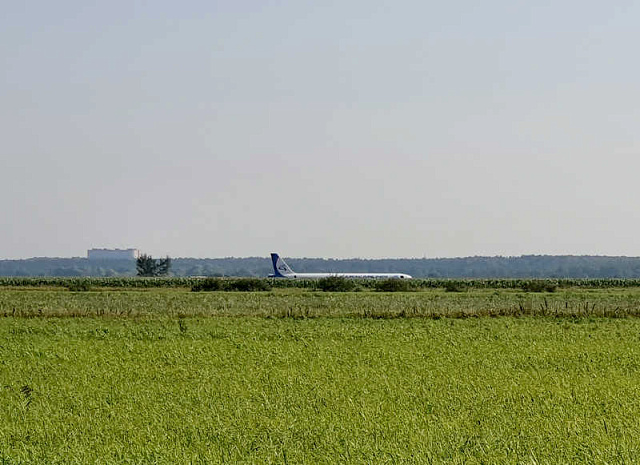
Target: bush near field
<point x="240" y="284"/>
<point x="393" y="285"/>
<point x="540" y="286"/>
<point x="336" y="284"/>
<point x="455" y="286"/>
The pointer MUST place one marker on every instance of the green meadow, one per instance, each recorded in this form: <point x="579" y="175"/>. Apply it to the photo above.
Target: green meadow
<point x="297" y="376"/>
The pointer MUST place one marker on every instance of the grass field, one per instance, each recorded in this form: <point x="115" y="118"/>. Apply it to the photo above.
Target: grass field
<point x="301" y="303"/>
<point x="170" y="376"/>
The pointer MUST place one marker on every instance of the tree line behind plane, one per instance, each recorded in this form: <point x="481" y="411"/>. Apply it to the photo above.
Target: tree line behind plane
<point x="525" y="266"/>
<point x="282" y="270"/>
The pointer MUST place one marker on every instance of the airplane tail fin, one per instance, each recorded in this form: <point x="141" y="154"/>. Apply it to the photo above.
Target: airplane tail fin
<point x="280" y="268"/>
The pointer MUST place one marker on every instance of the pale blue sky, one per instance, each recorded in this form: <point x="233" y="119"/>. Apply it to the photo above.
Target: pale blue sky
<point x="320" y="129"/>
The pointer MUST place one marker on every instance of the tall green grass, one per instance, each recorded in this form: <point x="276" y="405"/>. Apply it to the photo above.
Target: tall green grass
<point x="300" y="303"/>
<point x="330" y="390"/>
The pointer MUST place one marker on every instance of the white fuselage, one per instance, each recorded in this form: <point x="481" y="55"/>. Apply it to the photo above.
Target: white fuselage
<point x="282" y="270"/>
<point x="347" y="275"/>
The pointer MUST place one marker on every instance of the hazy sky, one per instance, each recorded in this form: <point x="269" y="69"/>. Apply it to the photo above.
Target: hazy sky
<point x="352" y="128"/>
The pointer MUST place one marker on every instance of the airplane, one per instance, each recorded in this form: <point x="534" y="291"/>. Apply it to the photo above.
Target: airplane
<point x="282" y="270"/>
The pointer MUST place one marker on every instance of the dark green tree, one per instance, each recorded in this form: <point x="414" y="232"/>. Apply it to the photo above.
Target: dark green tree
<point x="163" y="266"/>
<point x="147" y="266"/>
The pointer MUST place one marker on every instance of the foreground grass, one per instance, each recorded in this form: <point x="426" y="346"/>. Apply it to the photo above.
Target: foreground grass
<point x="324" y="390"/>
<point x="299" y="303"/>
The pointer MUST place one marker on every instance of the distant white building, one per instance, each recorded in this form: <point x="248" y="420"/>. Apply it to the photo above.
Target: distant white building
<point x="113" y="254"/>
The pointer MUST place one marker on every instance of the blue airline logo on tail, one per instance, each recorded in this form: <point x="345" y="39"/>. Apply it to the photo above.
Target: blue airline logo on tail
<point x="278" y="267"/>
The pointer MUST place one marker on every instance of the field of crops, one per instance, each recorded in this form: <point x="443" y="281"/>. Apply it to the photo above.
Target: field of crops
<point x="300" y="303"/>
<point x="413" y="284"/>
<point x="166" y="375"/>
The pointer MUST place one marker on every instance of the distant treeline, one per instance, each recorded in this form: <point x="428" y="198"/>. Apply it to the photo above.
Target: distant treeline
<point x="527" y="266"/>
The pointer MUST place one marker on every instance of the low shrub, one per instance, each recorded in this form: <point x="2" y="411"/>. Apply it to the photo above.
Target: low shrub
<point x="79" y="286"/>
<point x="248" y="285"/>
<point x="208" y="284"/>
<point x="336" y="284"/>
<point x="539" y="286"/>
<point x="455" y="286"/>
<point x="392" y="285"/>
<point x="240" y="284"/>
